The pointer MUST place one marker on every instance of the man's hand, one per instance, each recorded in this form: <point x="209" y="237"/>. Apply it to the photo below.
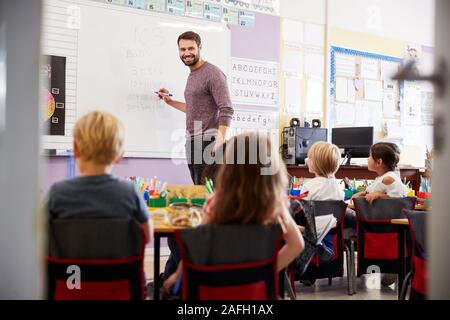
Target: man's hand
<point x="217" y="143"/>
<point x="164" y="95"/>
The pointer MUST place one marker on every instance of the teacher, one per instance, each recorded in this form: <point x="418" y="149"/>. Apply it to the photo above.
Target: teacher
<point x="208" y="105"/>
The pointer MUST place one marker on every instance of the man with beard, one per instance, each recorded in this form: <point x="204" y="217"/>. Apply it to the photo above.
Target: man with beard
<point x="208" y="105"/>
<point x="208" y="111"/>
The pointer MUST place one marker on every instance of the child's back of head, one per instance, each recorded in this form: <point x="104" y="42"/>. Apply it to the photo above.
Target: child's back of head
<point x="323" y="159"/>
<point x="251" y="184"/>
<point x="99" y="138"/>
<point x="388" y="152"/>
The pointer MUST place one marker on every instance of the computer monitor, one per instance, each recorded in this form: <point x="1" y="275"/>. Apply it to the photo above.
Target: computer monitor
<point x="304" y="139"/>
<point x="356" y="141"/>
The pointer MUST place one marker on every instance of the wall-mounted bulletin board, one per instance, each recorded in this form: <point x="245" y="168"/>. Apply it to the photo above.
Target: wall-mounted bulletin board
<point x="362" y="92"/>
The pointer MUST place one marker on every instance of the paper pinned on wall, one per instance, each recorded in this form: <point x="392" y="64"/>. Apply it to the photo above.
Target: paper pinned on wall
<point x="292" y="96"/>
<point x="314" y="96"/>
<point x="369" y="69"/>
<point x="388" y="69"/>
<point x="292" y="33"/>
<point x="345" y="66"/>
<point x="412" y="99"/>
<point x="393" y="129"/>
<point x="427" y="108"/>
<point x="361" y="114"/>
<point x="373" y="90"/>
<point x="351" y="91"/>
<point x="389" y="104"/>
<point x="375" y="110"/>
<point x="292" y="64"/>
<point x="314" y="35"/>
<point x="345" y="114"/>
<point x="314" y="65"/>
<point x="341" y="89"/>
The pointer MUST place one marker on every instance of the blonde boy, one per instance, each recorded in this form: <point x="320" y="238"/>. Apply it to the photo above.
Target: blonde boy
<point x="98" y="145"/>
<point x="323" y="161"/>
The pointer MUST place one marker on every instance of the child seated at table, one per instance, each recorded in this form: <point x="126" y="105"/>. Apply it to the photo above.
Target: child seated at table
<point x="96" y="193"/>
<point x="323" y="161"/>
<point x="251" y="189"/>
<point x="383" y="159"/>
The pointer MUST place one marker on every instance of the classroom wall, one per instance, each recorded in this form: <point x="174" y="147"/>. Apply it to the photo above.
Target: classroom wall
<point x="312" y="11"/>
<point x="259" y="43"/>
<point x="407" y="20"/>
<point x="379" y="19"/>
<point x="386" y="27"/>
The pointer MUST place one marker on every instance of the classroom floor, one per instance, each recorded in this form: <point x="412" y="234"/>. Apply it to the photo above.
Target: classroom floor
<point x="338" y="290"/>
<point x="367" y="288"/>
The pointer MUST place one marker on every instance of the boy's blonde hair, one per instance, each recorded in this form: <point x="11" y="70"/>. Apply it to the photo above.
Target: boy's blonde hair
<point x="323" y="158"/>
<point x="99" y="137"/>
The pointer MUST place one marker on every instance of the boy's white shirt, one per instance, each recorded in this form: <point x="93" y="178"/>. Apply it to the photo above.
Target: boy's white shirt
<point x="320" y="189"/>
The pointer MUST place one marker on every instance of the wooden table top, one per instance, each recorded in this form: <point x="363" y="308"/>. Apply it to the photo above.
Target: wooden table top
<point x="160" y="227"/>
<point x="403" y="222"/>
<point x="418" y="207"/>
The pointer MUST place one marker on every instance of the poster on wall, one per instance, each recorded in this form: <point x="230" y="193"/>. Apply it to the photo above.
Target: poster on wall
<point x="53" y="76"/>
<point x="255" y="121"/>
<point x="213" y="12"/>
<point x="176" y="7"/>
<point x="230" y="16"/>
<point x="156" y="5"/>
<point x="412" y="103"/>
<point x="194" y="8"/>
<point x="140" y="4"/>
<point x="246" y="19"/>
<point x="254" y="82"/>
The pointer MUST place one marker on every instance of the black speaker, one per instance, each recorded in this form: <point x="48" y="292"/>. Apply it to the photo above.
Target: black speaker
<point x="295" y="122"/>
<point x="316" y="123"/>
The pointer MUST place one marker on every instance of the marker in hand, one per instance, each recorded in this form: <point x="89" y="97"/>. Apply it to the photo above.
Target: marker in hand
<point x="164" y="94"/>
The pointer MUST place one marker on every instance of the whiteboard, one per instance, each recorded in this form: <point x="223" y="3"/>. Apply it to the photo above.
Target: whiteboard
<point x="123" y="55"/>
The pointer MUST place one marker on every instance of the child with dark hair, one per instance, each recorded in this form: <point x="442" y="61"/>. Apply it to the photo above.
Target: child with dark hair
<point x="383" y="159"/>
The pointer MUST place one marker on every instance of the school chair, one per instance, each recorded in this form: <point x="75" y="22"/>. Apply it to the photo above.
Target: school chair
<point x="95" y="259"/>
<point x="316" y="268"/>
<point x="416" y="279"/>
<point x="379" y="242"/>
<point x="229" y="262"/>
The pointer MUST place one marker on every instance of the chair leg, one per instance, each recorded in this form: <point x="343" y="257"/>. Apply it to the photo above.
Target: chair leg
<point x="349" y="272"/>
<point x="353" y="264"/>
<point x="405" y="286"/>
<point x="288" y="286"/>
<point x="330" y="281"/>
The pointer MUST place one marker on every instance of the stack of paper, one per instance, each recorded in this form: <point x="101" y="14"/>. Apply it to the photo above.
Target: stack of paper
<point x="323" y="225"/>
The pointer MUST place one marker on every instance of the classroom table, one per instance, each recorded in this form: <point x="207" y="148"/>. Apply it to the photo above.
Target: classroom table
<point x="361" y="172"/>
<point x="417" y="207"/>
<point x="159" y="231"/>
<point x="165" y="231"/>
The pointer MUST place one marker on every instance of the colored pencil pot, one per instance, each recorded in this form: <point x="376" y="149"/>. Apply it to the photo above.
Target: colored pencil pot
<point x="199" y="201"/>
<point x="349" y="193"/>
<point x="177" y="200"/>
<point x="423" y="198"/>
<point x="295" y="192"/>
<point x="157" y="202"/>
